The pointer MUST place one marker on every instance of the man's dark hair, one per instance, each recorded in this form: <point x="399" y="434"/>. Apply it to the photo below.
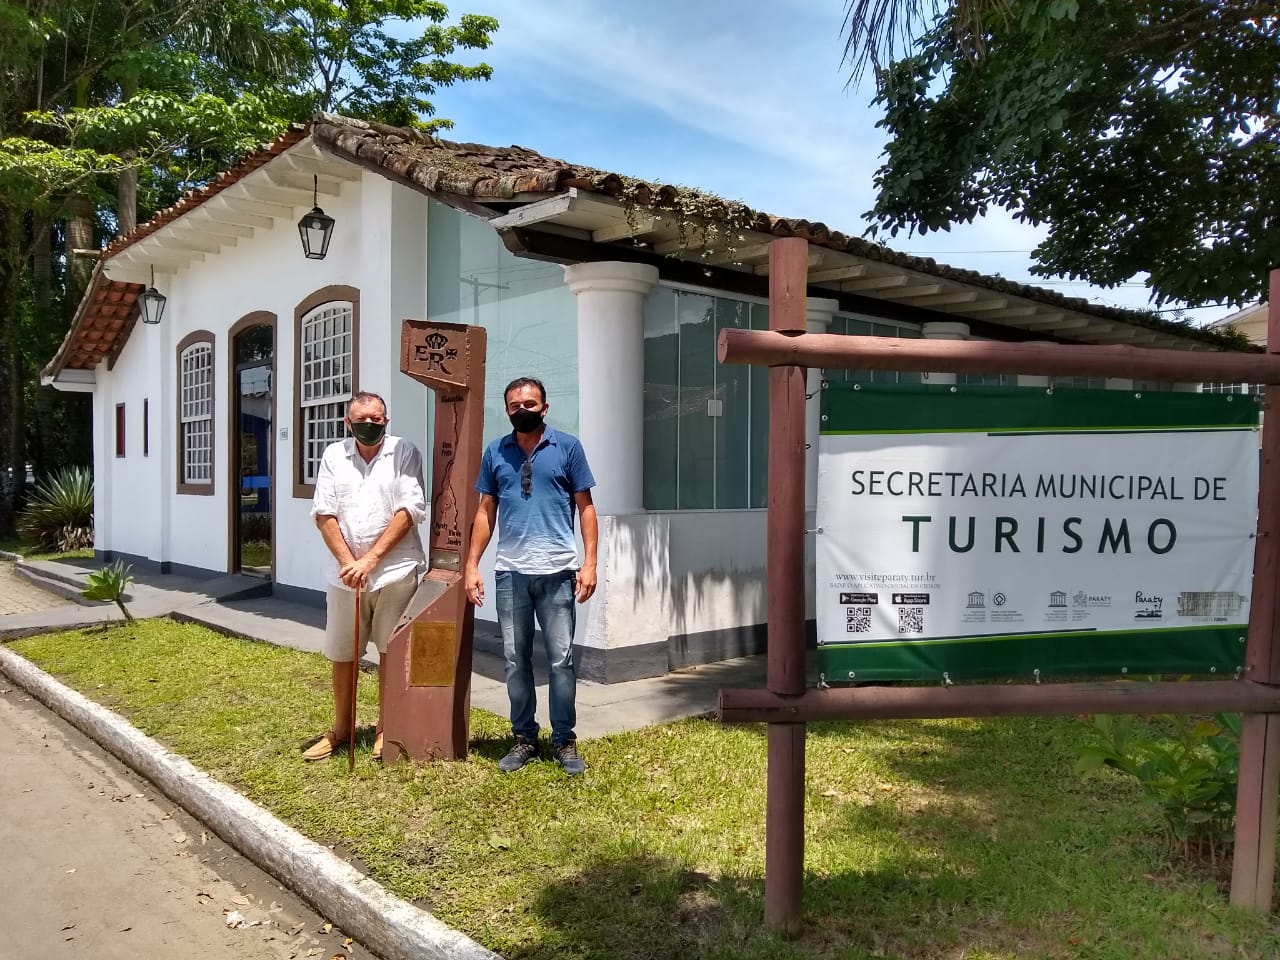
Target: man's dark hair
<point x="364" y="396"/>
<point x="525" y="382"/>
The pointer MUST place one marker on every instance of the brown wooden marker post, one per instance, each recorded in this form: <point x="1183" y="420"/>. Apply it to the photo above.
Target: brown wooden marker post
<point x="1254" y="862"/>
<point x="784" y="816"/>
<point x="427" y="696"/>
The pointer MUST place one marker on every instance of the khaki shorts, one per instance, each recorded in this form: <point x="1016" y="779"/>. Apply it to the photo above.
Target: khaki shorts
<point x="380" y="611"/>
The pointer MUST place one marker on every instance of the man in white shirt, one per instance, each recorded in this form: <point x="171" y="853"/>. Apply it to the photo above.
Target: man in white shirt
<point x="368" y="503"/>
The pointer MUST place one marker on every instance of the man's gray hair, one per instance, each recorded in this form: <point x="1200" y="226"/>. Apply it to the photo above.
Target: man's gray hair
<point x="364" y="396"/>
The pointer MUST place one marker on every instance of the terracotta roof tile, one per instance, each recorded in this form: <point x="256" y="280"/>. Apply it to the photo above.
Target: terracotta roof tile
<point x="228" y="178"/>
<point x="481" y="174"/>
<point x="104" y="320"/>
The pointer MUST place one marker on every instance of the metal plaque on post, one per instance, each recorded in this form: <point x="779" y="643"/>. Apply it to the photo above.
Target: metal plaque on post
<point x="427" y="692"/>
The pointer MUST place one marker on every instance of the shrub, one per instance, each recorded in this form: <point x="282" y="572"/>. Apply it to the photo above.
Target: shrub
<point x="1190" y="775"/>
<point x="59" y="515"/>
<point x="110" y="583"/>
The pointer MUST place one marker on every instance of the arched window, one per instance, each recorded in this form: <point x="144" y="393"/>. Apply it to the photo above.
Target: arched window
<point x="325" y="365"/>
<point x="195" y="413"/>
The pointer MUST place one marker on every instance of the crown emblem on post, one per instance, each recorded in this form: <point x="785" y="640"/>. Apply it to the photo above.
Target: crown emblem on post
<point x="436" y="340"/>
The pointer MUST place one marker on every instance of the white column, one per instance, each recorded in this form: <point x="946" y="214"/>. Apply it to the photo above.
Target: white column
<point x="610" y="297"/>
<point x="944" y="330"/>
<point x="818" y="313"/>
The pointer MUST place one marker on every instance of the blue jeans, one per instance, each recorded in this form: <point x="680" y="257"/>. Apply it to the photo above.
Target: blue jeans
<point x="549" y="597"/>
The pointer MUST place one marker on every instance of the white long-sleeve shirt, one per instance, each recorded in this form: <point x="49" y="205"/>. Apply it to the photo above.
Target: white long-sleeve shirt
<point x="364" y="496"/>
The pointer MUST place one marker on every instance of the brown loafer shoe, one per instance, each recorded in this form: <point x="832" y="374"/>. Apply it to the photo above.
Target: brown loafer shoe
<point x="323" y="748"/>
<point x="377" y="747"/>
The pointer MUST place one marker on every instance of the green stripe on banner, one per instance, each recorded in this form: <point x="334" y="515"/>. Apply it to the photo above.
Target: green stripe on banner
<point x="928" y="408"/>
<point x="1215" y="649"/>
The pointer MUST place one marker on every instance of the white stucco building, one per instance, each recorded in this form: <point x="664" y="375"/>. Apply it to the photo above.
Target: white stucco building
<point x="210" y="424"/>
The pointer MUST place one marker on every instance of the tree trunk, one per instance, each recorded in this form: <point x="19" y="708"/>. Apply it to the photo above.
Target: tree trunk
<point x="40" y="440"/>
<point x="42" y="266"/>
<point x="127" y="185"/>
<point x="79" y="237"/>
<point x="127" y="196"/>
<point x="17" y="416"/>
<point x="10" y="293"/>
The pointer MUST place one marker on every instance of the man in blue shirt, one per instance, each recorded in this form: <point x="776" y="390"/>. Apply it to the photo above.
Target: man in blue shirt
<point x="531" y="481"/>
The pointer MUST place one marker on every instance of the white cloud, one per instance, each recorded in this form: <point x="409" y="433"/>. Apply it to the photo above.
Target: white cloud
<point x="738" y="85"/>
<point x="745" y="98"/>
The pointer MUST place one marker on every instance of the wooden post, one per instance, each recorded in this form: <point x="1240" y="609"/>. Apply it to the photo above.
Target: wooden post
<point x="997" y="700"/>
<point x="1254" y="864"/>
<point x="769" y="348"/>
<point x="426" y="694"/>
<point x="784" y="816"/>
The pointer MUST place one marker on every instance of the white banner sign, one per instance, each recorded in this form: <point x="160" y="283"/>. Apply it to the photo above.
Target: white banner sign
<point x="970" y="534"/>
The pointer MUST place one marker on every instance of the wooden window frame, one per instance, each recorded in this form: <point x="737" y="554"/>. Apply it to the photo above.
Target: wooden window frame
<point x="197" y="489"/>
<point x="121" y="423"/>
<point x="330" y="294"/>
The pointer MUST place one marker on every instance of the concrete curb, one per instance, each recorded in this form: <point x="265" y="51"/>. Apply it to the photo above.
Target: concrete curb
<point x="58" y="586"/>
<point x="386" y="925"/>
<point x="35" y="629"/>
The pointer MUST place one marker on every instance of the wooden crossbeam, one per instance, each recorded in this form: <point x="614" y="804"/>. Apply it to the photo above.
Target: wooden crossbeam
<point x="1041" y="319"/>
<point x="883" y="281"/>
<point x="218" y="211"/>
<point x="212" y="227"/>
<point x="323" y="183"/>
<point x="625" y="230"/>
<point x="844" y="272"/>
<point x="313" y="163"/>
<point x="982" y="306"/>
<point x="991" y="700"/>
<point x="947" y="299"/>
<point x="815" y="260"/>
<point x="910" y="292"/>
<point x="241" y="200"/>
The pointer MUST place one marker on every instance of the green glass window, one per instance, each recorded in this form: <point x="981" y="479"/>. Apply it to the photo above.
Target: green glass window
<point x="863" y="327"/>
<point x="524" y="305"/>
<point x="705" y="425"/>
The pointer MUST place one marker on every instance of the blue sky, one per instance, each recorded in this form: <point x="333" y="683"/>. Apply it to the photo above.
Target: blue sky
<point x="744" y="98"/>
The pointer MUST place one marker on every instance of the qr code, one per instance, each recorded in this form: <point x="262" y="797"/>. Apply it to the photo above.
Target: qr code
<point x="1209" y="603"/>
<point x="911" y="619"/>
<point x="858" y="619"/>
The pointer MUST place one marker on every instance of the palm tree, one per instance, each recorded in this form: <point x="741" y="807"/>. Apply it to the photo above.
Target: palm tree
<point x="877" y="32"/>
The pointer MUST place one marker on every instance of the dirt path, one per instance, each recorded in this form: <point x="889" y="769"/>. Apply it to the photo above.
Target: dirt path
<point x="98" y="865"/>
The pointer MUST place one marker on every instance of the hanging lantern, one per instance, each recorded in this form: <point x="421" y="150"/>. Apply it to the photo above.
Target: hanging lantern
<point x="152" y="301"/>
<point x="315" y="228"/>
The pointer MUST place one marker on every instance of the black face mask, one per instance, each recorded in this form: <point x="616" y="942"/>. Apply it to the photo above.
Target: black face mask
<point x="526" y="421"/>
<point x="369" y="434"/>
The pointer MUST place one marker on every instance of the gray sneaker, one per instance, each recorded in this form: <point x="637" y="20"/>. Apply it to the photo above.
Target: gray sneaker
<point x="520" y="754"/>
<point x="568" y="757"/>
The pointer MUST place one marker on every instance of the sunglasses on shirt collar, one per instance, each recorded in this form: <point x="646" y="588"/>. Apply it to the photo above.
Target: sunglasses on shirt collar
<point x="526" y="478"/>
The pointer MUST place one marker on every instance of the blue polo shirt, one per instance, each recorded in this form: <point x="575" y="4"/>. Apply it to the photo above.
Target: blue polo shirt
<point x="535" y="530"/>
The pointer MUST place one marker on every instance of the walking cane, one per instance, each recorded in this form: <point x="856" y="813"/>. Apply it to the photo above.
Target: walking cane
<point x="355" y="675"/>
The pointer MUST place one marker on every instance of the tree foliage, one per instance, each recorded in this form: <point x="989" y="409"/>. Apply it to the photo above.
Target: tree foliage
<point x="111" y="109"/>
<point x="1144" y="134"/>
<point x="359" y="68"/>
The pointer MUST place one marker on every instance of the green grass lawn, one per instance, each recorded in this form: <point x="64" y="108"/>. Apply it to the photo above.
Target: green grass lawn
<point x="29" y="552"/>
<point x="955" y="839"/>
